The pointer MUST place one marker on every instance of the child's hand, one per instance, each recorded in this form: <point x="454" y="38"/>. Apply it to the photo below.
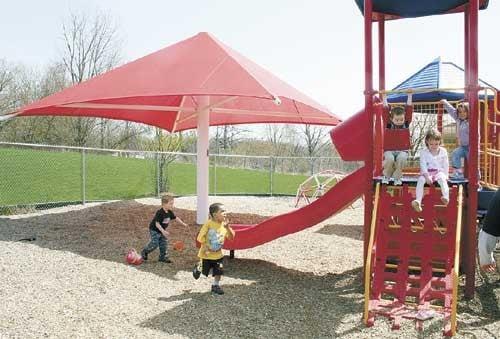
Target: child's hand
<point x="428" y="181"/>
<point x="488" y="268"/>
<point x="442" y="101"/>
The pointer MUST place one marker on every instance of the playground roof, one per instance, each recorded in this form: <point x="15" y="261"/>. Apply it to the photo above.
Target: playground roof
<point x="397" y="9"/>
<point x="163" y="89"/>
<point x="439" y="75"/>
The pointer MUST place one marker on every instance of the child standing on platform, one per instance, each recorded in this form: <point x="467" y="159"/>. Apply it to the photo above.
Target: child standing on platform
<point x="434" y="167"/>
<point x="461" y="117"/>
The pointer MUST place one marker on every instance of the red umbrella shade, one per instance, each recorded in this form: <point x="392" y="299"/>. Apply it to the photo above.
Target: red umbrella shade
<point x="163" y="89"/>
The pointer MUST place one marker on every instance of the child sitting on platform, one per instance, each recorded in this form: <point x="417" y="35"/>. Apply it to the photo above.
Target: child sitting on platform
<point x="434" y="167"/>
<point x="395" y="160"/>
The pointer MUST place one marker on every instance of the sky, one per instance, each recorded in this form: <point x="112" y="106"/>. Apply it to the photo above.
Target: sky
<point x="315" y="46"/>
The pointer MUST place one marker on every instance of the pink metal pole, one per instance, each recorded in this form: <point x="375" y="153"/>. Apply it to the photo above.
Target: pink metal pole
<point x="369" y="111"/>
<point x="378" y="145"/>
<point x="473" y="149"/>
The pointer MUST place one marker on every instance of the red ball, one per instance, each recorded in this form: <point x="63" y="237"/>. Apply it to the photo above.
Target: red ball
<point x="133" y="258"/>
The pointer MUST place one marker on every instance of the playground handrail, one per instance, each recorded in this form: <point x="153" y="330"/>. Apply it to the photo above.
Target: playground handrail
<point x="456" y="262"/>
<point x="369" y="253"/>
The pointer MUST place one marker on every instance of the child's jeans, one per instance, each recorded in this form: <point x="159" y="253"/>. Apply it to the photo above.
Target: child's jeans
<point x="157" y="240"/>
<point x="457" y="155"/>
<point x="392" y="158"/>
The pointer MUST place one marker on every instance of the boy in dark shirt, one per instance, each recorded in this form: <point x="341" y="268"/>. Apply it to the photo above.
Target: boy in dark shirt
<point x="158" y="229"/>
<point x="490" y="235"/>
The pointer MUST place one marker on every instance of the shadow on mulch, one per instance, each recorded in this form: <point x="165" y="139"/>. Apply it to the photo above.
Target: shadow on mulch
<point x="319" y="304"/>
<point x="348" y="231"/>
<point x="284" y="303"/>
<point x="107" y="231"/>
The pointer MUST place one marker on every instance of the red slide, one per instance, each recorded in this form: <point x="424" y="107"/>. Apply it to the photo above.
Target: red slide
<point x="335" y="200"/>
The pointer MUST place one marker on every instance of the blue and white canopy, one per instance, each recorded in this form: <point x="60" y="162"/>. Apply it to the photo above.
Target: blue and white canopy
<point x="439" y="75"/>
<point x="397" y="9"/>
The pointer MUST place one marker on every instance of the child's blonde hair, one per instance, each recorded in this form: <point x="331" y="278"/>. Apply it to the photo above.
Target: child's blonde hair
<point x="166" y="198"/>
<point x="464" y="105"/>
<point x="433" y="134"/>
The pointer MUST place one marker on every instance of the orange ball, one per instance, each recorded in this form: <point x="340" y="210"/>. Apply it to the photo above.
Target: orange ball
<point x="179" y="245"/>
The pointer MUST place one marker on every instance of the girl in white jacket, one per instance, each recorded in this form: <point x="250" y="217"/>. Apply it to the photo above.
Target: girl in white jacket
<point x="434" y="167"/>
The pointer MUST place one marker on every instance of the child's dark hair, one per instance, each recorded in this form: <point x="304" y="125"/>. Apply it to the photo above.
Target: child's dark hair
<point x="214" y="208"/>
<point x="432" y="134"/>
<point x="397" y="111"/>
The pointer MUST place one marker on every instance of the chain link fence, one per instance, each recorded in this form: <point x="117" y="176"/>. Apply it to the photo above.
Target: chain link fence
<point x="46" y="176"/>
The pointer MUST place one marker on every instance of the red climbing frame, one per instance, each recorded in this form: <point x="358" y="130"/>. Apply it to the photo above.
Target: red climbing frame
<point x="413" y="264"/>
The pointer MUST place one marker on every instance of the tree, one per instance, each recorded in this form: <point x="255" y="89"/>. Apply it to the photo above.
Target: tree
<point x="91" y="47"/>
<point x="226" y="138"/>
<point x="163" y="144"/>
<point x="314" y="139"/>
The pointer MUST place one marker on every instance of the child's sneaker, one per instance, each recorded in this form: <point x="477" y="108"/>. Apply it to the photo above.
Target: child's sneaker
<point x="196" y="272"/>
<point x="416" y="206"/>
<point x="165" y="260"/>
<point x="444" y="200"/>
<point x="385" y="180"/>
<point x="398" y="182"/>
<point x="457" y="176"/>
<point x="217" y="289"/>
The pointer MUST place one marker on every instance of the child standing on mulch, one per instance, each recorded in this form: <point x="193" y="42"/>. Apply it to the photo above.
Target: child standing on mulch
<point x="211" y="237"/>
<point x="158" y="229"/>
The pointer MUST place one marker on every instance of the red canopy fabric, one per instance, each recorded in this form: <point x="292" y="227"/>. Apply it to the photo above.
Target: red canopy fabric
<point x="162" y="89"/>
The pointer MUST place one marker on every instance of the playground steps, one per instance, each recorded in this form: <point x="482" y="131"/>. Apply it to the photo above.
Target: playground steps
<point x="413" y="258"/>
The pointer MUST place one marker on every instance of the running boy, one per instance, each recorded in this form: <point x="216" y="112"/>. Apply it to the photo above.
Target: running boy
<point x="211" y="237"/>
<point x="158" y="229"/>
<point x="433" y="167"/>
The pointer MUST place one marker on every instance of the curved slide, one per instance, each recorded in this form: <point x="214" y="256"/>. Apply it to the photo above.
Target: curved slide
<point x="335" y="200"/>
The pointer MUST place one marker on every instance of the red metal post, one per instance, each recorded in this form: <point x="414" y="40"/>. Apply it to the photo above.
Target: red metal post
<point x="440" y="118"/>
<point x="381" y="53"/>
<point x="466" y="52"/>
<point x="378" y="145"/>
<point x="473" y="148"/>
<point x="369" y="111"/>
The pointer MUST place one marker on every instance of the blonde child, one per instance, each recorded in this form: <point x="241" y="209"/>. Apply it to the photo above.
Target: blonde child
<point x="461" y="116"/>
<point x="433" y="167"/>
<point x="394" y="161"/>
<point x="211" y="237"/>
<point x="158" y="229"/>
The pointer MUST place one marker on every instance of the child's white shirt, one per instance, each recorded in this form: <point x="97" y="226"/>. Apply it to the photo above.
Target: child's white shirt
<point x="439" y="162"/>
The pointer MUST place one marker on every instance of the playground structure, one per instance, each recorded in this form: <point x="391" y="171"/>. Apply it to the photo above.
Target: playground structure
<point x="412" y="260"/>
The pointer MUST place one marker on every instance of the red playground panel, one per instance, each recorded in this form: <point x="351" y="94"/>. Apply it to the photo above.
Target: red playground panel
<point x="413" y="267"/>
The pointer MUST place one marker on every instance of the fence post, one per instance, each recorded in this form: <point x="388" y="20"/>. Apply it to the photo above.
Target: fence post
<point x="157" y="174"/>
<point x="215" y="175"/>
<point x="271" y="176"/>
<point x="83" y="177"/>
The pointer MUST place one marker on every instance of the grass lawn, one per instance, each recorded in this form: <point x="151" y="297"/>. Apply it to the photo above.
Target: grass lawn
<point x="30" y="176"/>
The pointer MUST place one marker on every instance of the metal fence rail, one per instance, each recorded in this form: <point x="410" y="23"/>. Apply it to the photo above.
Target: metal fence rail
<point x="38" y="175"/>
